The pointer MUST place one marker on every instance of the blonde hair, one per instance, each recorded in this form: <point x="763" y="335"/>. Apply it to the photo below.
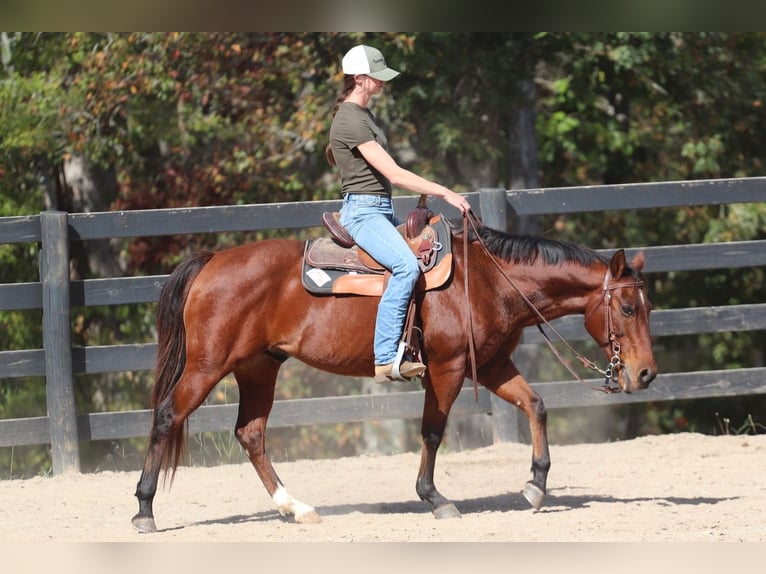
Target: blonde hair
<point x="348" y="87"/>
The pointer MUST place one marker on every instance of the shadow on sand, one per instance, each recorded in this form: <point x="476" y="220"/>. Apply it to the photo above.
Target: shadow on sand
<point x="496" y="503"/>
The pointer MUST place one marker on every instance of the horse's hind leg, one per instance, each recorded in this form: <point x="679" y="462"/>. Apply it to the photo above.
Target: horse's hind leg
<point x="163" y="429"/>
<point x="257" y="381"/>
<point x="513" y="388"/>
<point x="167" y="438"/>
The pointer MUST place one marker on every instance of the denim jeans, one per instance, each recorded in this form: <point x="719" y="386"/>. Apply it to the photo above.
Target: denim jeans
<point x="371" y="221"/>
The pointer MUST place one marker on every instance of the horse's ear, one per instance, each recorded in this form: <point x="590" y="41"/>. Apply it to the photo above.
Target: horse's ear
<point x="638" y="261"/>
<point x="617" y="265"/>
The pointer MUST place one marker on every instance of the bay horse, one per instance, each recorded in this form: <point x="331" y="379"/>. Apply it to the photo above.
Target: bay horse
<point x="244" y="310"/>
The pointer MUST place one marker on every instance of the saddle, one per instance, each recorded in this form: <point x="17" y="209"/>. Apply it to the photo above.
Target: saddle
<point x="336" y="265"/>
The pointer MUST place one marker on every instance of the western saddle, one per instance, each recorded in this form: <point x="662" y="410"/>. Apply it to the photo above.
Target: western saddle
<point x="336" y="265"/>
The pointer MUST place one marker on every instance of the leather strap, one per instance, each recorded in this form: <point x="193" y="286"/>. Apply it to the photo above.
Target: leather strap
<point x="471" y="350"/>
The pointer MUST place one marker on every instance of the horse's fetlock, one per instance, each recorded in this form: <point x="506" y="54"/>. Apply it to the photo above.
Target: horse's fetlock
<point x="423" y="490"/>
<point x="433" y="440"/>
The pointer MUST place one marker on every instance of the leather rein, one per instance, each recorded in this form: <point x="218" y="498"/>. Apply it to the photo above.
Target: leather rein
<point x="615" y="363"/>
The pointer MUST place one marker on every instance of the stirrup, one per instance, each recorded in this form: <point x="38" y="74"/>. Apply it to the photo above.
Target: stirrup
<point x="395" y="373"/>
<point x="396" y="365"/>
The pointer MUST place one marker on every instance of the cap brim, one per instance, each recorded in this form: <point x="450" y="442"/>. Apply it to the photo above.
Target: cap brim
<point x="384" y="75"/>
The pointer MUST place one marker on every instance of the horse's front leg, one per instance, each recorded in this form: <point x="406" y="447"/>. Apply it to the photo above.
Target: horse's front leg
<point x="438" y="402"/>
<point x="511" y="386"/>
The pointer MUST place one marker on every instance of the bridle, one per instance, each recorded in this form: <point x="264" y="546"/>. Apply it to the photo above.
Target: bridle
<point x="615" y="363"/>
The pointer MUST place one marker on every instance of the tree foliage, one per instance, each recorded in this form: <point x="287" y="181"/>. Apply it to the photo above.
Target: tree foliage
<point x="185" y="119"/>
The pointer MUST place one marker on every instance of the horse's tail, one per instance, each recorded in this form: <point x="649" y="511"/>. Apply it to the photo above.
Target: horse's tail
<point x="171" y="349"/>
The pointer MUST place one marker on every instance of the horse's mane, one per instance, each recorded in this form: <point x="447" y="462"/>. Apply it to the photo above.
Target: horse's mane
<point x="527" y="249"/>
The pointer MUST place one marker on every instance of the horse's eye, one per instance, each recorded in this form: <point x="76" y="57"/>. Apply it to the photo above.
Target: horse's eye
<point x="628" y="310"/>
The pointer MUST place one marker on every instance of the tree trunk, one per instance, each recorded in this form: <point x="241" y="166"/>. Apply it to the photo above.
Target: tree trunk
<point x="77" y="187"/>
<point x="524" y="175"/>
<point x="522" y="152"/>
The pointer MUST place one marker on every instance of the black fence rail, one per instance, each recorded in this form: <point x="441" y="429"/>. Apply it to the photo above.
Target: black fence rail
<point x="63" y="428"/>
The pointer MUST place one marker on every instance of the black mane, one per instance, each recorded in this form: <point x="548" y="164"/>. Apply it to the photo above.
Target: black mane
<point x="528" y="249"/>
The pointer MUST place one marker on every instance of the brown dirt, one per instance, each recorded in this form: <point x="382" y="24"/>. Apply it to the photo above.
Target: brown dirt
<point x="682" y="487"/>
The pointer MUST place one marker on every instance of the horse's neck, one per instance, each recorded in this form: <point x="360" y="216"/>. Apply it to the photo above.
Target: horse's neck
<point x="559" y="290"/>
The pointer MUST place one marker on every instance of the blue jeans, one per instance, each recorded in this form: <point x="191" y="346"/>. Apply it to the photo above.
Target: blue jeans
<point x="371" y="221"/>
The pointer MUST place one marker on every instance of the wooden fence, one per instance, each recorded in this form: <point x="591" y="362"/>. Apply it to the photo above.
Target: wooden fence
<point x="63" y="428"/>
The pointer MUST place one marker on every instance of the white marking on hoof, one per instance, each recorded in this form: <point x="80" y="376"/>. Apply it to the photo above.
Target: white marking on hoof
<point x="446" y="511"/>
<point x="534" y="495"/>
<point x="310" y="517"/>
<point x="287" y="505"/>
<point x="144" y="523"/>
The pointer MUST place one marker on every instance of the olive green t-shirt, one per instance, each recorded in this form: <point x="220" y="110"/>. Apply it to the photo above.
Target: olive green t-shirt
<point x="352" y="126"/>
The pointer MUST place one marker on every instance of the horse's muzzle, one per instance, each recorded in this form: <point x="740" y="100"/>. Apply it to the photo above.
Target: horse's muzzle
<point x="644" y="377"/>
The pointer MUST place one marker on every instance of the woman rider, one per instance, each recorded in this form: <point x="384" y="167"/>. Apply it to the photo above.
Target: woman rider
<point x="368" y="172"/>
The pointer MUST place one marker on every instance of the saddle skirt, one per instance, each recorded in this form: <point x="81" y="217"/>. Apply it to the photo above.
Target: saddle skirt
<point x="331" y="269"/>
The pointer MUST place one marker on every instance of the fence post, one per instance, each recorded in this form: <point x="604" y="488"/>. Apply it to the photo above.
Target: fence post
<point x="57" y="342"/>
<point x="505" y="417"/>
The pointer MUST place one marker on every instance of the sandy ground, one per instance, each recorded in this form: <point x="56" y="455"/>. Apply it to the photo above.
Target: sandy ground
<point x="679" y="488"/>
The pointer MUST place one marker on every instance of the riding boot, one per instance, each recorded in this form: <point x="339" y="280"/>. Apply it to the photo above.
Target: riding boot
<point x="407" y="370"/>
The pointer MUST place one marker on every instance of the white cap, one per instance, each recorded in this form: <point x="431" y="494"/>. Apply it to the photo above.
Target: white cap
<point x="367" y="60"/>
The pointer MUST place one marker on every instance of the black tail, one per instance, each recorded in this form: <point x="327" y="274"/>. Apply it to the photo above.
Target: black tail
<point x="171" y="346"/>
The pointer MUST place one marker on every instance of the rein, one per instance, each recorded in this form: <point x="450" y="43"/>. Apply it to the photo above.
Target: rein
<point x="471" y="349"/>
<point x="615" y="363"/>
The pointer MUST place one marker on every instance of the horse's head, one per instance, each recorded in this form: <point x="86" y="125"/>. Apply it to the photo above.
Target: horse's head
<point x="618" y="319"/>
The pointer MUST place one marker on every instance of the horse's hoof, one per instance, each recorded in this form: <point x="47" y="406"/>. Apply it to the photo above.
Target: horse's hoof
<point x="446" y="511"/>
<point x="308" y="518"/>
<point x="144" y="523"/>
<point x="534" y="495"/>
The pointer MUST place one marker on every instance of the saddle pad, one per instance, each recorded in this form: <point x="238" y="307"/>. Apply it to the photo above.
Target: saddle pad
<point x="330" y="269"/>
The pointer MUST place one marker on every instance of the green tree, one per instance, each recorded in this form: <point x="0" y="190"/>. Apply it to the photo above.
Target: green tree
<point x="98" y="121"/>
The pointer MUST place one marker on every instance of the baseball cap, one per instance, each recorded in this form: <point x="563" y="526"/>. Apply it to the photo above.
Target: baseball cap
<point x="367" y="60"/>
